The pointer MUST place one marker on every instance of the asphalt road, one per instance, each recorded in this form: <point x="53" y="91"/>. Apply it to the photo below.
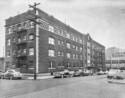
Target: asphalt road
<point x="76" y="87"/>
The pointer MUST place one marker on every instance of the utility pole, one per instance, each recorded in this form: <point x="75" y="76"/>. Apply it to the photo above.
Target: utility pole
<point x="35" y="17"/>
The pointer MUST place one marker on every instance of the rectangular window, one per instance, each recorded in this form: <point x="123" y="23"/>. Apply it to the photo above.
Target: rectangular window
<point x="8" y="42"/>
<point x="31" y="51"/>
<point x="80" y="41"/>
<point x="74" y="56"/>
<point x="68" y="45"/>
<point x="62" y="43"/>
<point x="74" y="64"/>
<point x="24" y="50"/>
<point x="77" y="48"/>
<point x="81" y="49"/>
<point x="88" y="44"/>
<point x="31" y="37"/>
<point x="76" y="39"/>
<point x="51" y="28"/>
<point x="52" y="64"/>
<point x="24" y="37"/>
<point x="59" y="53"/>
<point x="68" y="64"/>
<point x="13" y="39"/>
<point x="9" y="30"/>
<point x="19" y="39"/>
<point x="68" y="35"/>
<point x="73" y="38"/>
<point x="74" y="47"/>
<point x="51" y="53"/>
<point x="31" y="64"/>
<point x="31" y="24"/>
<point x="68" y="55"/>
<point x="51" y="41"/>
<point x="59" y="42"/>
<point x="62" y="53"/>
<point x="8" y="53"/>
<point x="77" y="56"/>
<point x="14" y="51"/>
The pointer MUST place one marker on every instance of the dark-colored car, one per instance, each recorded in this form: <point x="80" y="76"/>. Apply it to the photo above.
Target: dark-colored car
<point x="63" y="74"/>
<point x="78" y="73"/>
<point x="87" y="72"/>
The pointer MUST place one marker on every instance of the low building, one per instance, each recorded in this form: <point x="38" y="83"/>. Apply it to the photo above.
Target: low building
<point x="115" y="58"/>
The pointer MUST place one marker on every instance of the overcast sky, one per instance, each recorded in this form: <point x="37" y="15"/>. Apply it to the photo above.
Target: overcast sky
<point x="102" y="19"/>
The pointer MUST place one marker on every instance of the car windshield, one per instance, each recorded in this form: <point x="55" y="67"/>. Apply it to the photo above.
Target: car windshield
<point x="15" y="70"/>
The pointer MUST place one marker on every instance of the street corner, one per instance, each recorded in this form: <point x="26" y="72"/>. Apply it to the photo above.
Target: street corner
<point x="117" y="81"/>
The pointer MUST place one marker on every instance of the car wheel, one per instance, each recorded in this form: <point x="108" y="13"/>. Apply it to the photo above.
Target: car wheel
<point x="11" y="78"/>
<point x="2" y="77"/>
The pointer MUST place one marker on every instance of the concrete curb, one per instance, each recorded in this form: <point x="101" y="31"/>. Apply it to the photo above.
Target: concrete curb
<point x="28" y="76"/>
<point x="40" y="77"/>
<point x="116" y="81"/>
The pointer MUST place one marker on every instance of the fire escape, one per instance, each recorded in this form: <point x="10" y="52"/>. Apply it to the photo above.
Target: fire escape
<point x="21" y="47"/>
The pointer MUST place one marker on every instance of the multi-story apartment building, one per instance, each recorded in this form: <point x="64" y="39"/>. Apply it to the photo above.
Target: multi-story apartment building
<point x="57" y="45"/>
<point x="94" y="54"/>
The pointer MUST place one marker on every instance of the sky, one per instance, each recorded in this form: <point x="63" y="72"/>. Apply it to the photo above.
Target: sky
<point x="104" y="20"/>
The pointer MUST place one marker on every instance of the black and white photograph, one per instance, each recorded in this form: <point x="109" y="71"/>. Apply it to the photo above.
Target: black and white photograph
<point x="62" y="48"/>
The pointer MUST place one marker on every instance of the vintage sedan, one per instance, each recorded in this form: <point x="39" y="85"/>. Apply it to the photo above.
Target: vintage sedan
<point x="87" y="72"/>
<point x="112" y="73"/>
<point x="119" y="75"/>
<point x="11" y="74"/>
<point x="101" y="72"/>
<point x="63" y="74"/>
<point x="78" y="73"/>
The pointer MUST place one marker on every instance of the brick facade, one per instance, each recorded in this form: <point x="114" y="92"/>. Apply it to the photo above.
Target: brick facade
<point x="59" y="46"/>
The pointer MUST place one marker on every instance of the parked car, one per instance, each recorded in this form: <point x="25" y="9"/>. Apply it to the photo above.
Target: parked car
<point x="0" y="73"/>
<point x="101" y="72"/>
<point x="87" y="72"/>
<point x="106" y="72"/>
<point x="112" y="73"/>
<point x="11" y="74"/>
<point x="120" y="75"/>
<point x="78" y="73"/>
<point x="63" y="74"/>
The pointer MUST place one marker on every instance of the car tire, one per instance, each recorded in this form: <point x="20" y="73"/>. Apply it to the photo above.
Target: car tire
<point x="2" y="77"/>
<point x="11" y="77"/>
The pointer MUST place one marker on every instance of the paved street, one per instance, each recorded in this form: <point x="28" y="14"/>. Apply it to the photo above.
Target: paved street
<point x="76" y="87"/>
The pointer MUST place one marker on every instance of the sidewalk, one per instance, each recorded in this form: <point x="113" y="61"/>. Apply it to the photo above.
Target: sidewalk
<point x="116" y="81"/>
<point x="39" y="76"/>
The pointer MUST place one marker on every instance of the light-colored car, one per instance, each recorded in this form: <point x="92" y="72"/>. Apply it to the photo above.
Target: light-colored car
<point x="63" y="74"/>
<point x="100" y="72"/>
<point x="112" y="73"/>
<point x="120" y="75"/>
<point x="11" y="74"/>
